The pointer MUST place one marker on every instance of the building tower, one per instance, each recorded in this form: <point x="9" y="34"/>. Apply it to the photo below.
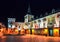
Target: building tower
<point x="28" y="17"/>
<point x="10" y="22"/>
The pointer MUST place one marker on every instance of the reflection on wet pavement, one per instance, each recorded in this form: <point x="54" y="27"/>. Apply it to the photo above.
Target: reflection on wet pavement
<point x="29" y="38"/>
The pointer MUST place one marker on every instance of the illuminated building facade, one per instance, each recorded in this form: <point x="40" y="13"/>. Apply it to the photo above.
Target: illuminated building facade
<point x="48" y="25"/>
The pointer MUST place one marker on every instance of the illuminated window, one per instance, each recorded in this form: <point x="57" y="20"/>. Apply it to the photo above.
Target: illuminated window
<point x="9" y="25"/>
<point x="19" y="28"/>
<point x="26" y="17"/>
<point x="44" y="25"/>
<point x="13" y="26"/>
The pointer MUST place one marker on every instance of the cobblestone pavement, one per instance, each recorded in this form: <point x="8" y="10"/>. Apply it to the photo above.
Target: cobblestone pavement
<point x="29" y="38"/>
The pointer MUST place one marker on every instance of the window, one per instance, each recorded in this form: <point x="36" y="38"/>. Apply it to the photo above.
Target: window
<point x="13" y="26"/>
<point x="9" y="25"/>
<point x="19" y="26"/>
<point x="31" y="18"/>
<point x="34" y="21"/>
<point x="58" y="15"/>
<point x="31" y="24"/>
<point x="16" y="25"/>
<point x="44" y="25"/>
<point x="39" y="20"/>
<point x="44" y="19"/>
<point x="53" y="20"/>
<point x="26" y="17"/>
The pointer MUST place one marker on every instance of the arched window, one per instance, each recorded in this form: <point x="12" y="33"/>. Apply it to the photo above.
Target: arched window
<point x="58" y="15"/>
<point x="39" y="20"/>
<point x="44" y="19"/>
<point x="34" y="21"/>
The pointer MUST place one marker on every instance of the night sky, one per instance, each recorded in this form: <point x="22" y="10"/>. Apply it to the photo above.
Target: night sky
<point x="18" y="8"/>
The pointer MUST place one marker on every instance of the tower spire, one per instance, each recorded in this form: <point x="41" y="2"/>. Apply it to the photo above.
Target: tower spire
<point x="29" y="10"/>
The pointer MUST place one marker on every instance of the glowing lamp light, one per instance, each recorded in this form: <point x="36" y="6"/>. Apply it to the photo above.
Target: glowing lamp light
<point x="45" y="30"/>
<point x="16" y="30"/>
<point x="32" y="31"/>
<point x="55" y="30"/>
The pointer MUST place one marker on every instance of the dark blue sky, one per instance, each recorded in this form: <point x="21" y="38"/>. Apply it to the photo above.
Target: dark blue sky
<point x="18" y="8"/>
